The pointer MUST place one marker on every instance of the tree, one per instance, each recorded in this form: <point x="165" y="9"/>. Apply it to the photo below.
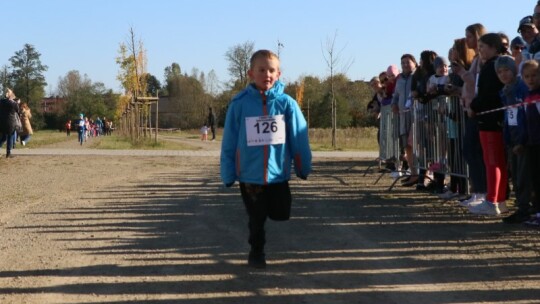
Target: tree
<point x="5" y="78"/>
<point x="239" y="57"/>
<point x="28" y="80"/>
<point x="132" y="62"/>
<point x="84" y="96"/>
<point x="332" y="59"/>
<point x="212" y="85"/>
<point x="152" y="85"/>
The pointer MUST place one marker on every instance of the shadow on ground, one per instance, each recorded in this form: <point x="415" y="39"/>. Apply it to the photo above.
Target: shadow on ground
<point x="181" y="238"/>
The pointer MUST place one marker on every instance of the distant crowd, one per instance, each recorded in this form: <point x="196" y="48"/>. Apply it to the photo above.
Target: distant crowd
<point x="87" y="128"/>
<point x="495" y="129"/>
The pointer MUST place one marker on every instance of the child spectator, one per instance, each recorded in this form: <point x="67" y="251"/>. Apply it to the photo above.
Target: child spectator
<point x="531" y="77"/>
<point x="68" y="127"/>
<point x="490" y="126"/>
<point x="204" y="133"/>
<point x="264" y="132"/>
<point x="514" y="92"/>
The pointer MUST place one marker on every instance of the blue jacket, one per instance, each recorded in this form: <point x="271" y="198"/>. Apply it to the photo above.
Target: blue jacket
<point x="264" y="164"/>
<point x="513" y="94"/>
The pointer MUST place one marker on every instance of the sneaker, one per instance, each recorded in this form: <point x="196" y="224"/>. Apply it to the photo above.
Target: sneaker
<point x="475" y="199"/>
<point x="502" y="207"/>
<point x="395" y="174"/>
<point x="256" y="260"/>
<point x="517" y="217"/>
<point x="485" y="208"/>
<point x="448" y="195"/>
<point x="23" y="143"/>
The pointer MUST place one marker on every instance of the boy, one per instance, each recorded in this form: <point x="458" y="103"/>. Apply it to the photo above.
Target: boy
<point x="531" y="77"/>
<point x="514" y="92"/>
<point x="264" y="132"/>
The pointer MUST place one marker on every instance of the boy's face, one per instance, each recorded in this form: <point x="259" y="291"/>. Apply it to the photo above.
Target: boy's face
<point x="530" y="77"/>
<point x="506" y="75"/>
<point x="442" y="70"/>
<point x="265" y="72"/>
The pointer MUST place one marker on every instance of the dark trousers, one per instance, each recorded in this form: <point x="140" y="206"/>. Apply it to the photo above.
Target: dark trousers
<point x="520" y="171"/>
<point x="473" y="154"/>
<point x="213" y="130"/>
<point x="533" y="153"/>
<point x="265" y="201"/>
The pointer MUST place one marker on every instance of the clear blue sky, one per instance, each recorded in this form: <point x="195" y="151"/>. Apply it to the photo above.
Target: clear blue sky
<point x="84" y="35"/>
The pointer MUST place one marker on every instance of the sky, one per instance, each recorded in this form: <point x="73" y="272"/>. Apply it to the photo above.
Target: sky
<point x="84" y="35"/>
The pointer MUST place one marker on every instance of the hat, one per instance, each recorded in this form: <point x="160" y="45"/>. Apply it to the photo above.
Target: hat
<point x="506" y="62"/>
<point x="439" y="61"/>
<point x="392" y="70"/>
<point x="81" y="115"/>
<point x="526" y="21"/>
<point x="517" y="41"/>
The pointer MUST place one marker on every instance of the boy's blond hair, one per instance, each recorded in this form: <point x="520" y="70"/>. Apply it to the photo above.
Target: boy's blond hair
<point x="266" y="54"/>
<point x="530" y="64"/>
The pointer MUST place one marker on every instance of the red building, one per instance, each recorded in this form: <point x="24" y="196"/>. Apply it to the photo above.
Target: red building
<point x="52" y="104"/>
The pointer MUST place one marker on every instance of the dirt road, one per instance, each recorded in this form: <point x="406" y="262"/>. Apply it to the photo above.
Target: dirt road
<point x="157" y="229"/>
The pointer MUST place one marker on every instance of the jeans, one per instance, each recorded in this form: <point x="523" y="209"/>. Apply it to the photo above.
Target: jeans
<point x="81" y="136"/>
<point x="25" y="138"/>
<point x="10" y="142"/>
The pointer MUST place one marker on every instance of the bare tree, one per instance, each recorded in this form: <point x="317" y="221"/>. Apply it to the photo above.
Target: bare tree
<point x="333" y="61"/>
<point x="238" y="57"/>
<point x="212" y="85"/>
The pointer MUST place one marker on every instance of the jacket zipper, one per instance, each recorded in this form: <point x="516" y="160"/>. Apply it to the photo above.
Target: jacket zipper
<point x="265" y="147"/>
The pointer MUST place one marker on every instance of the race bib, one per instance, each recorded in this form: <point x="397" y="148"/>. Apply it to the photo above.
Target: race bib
<point x="265" y="130"/>
<point x="511" y="116"/>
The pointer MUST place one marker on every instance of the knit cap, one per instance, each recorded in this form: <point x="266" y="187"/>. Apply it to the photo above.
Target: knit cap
<point x="439" y="61"/>
<point x="506" y="62"/>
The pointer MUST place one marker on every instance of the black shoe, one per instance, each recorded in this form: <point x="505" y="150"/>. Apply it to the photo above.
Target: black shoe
<point x="406" y="179"/>
<point x="9" y="155"/>
<point x="410" y="183"/>
<point x="516" y="218"/>
<point x="256" y="260"/>
<point x="421" y="187"/>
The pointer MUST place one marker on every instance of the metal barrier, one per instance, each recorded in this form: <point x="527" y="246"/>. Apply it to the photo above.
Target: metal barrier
<point x="437" y="137"/>
<point x="389" y="148"/>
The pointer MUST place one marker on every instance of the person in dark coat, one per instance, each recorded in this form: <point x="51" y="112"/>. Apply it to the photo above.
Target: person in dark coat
<point x="9" y="112"/>
<point x="212" y="122"/>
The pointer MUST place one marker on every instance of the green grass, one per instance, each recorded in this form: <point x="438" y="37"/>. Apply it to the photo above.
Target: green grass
<point x="49" y="137"/>
<point x="350" y="139"/>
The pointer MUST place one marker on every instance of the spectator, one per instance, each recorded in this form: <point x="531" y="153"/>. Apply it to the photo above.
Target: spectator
<point x="490" y="125"/>
<point x="529" y="33"/>
<point x="26" y="131"/>
<point x="212" y="122"/>
<point x="531" y="77"/>
<point x="472" y="150"/>
<point x="9" y="120"/>
<point x="514" y="92"/>
<point x="402" y="105"/>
